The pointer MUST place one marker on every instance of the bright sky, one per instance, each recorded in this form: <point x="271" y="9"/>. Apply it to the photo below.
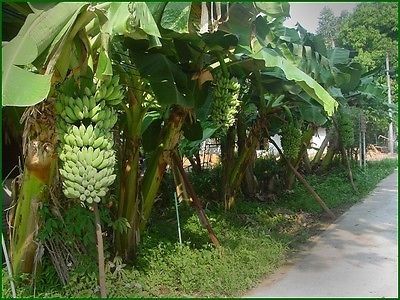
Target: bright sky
<point x="307" y="13"/>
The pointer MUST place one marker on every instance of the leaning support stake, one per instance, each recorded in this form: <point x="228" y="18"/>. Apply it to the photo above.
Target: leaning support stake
<point x="304" y="182"/>
<point x="349" y="172"/>
<point x="9" y="269"/>
<point x="177" y="219"/>
<point x="100" y="251"/>
<point x="196" y="202"/>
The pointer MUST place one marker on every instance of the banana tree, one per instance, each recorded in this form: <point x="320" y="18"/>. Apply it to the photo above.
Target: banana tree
<point x="333" y="69"/>
<point x="254" y="55"/>
<point x="162" y="98"/>
<point x="37" y="47"/>
<point x="57" y="41"/>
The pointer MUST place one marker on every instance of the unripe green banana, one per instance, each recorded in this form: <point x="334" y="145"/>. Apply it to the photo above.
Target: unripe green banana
<point x="102" y="192"/>
<point x="70" y="114"/>
<point x="116" y="94"/>
<point x="79" y="141"/>
<point x="110" y="90"/>
<point x="114" y="80"/>
<point x="77" y="112"/>
<point x="97" y="162"/>
<point x="88" y="92"/>
<point x="104" y="164"/>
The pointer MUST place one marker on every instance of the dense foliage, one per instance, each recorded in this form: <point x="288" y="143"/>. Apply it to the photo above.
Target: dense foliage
<point x="115" y="94"/>
<point x="372" y="30"/>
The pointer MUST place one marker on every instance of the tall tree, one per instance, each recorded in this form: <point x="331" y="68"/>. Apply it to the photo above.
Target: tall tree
<point x="327" y="26"/>
<point x="371" y="30"/>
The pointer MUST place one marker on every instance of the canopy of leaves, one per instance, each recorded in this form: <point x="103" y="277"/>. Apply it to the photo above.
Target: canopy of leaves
<point x="371" y="31"/>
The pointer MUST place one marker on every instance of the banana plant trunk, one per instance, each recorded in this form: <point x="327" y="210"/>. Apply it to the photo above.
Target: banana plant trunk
<point x="249" y="184"/>
<point x="227" y="159"/>
<point x="195" y="163"/>
<point x="136" y="197"/>
<point x="128" y="207"/>
<point x="330" y="153"/>
<point x="40" y="167"/>
<point x="320" y="152"/>
<point x="171" y="134"/>
<point x="238" y="170"/>
<point x="126" y="242"/>
<point x="39" y="170"/>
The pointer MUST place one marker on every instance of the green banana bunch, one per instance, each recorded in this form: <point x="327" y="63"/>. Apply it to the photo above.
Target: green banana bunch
<point x="76" y="109"/>
<point x="110" y="91"/>
<point x="291" y="140"/>
<point x="86" y="152"/>
<point x="345" y="129"/>
<point x="225" y="105"/>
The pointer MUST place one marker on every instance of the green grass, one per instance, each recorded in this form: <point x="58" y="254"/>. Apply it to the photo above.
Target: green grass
<point x="256" y="239"/>
<point x="335" y="189"/>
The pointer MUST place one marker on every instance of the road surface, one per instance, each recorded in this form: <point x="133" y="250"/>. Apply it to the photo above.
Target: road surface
<point x="355" y="257"/>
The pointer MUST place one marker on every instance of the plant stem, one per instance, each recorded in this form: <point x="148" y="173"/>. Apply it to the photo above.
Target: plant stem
<point x="100" y="251"/>
<point x="159" y="161"/>
<point x="224" y="68"/>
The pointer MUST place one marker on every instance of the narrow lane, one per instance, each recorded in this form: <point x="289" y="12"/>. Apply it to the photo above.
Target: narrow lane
<point x="356" y="256"/>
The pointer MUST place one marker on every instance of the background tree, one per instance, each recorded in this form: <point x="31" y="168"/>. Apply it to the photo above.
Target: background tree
<point x="371" y="30"/>
<point x="327" y="27"/>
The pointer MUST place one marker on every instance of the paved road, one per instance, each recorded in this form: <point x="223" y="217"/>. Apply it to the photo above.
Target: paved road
<point x="356" y="256"/>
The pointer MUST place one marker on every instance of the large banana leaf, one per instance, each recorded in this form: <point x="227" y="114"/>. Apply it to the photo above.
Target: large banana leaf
<point x="240" y="24"/>
<point x="119" y="16"/>
<point x="312" y="113"/>
<point x="274" y="9"/>
<point x="309" y="85"/>
<point x="168" y="82"/>
<point x="176" y="16"/>
<point x="19" y="86"/>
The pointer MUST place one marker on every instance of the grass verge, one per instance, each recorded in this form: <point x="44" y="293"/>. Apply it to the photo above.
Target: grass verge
<point x="256" y="238"/>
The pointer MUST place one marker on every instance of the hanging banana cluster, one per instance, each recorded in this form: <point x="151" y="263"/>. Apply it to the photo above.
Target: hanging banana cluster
<point x="291" y="140"/>
<point x="225" y="103"/>
<point x="86" y="141"/>
<point x="346" y="129"/>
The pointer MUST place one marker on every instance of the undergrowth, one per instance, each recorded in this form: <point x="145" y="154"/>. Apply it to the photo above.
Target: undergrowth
<point x="256" y="238"/>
